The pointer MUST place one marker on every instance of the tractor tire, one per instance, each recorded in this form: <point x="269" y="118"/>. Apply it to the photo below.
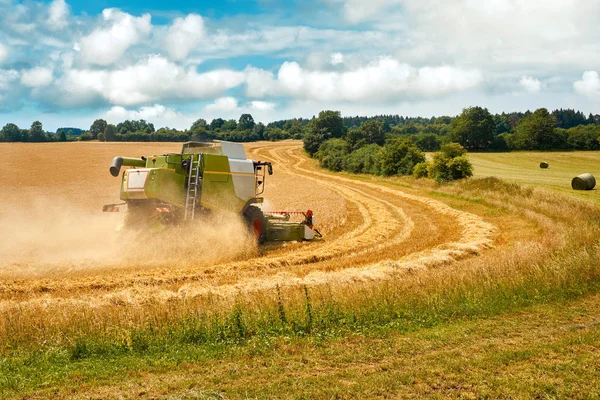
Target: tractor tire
<point x="257" y="223"/>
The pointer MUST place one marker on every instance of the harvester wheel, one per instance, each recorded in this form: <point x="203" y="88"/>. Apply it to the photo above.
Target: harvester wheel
<point x="257" y="224"/>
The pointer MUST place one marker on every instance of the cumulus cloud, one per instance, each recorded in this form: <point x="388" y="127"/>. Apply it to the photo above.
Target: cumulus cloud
<point x="381" y="80"/>
<point x="337" y="58"/>
<point x="530" y="84"/>
<point x="262" y="105"/>
<point x="9" y="90"/>
<point x="260" y="83"/>
<point x="57" y="14"/>
<point x="151" y="80"/>
<point x="555" y="20"/>
<point x="589" y="85"/>
<point x="439" y="51"/>
<point x="223" y="104"/>
<point x="149" y="113"/>
<point x="37" y="77"/>
<point x="544" y="36"/>
<point x="7" y="78"/>
<point x="3" y="53"/>
<point x="105" y="46"/>
<point x="184" y="34"/>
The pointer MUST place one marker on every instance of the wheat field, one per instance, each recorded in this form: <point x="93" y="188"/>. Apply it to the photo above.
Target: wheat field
<point x="65" y="271"/>
<point x="60" y="250"/>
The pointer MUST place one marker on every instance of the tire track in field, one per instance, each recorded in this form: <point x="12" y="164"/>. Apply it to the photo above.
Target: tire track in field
<point x="385" y="226"/>
<point x="374" y="227"/>
<point x="475" y="236"/>
<point x="476" y="233"/>
<point x="374" y="248"/>
<point x="389" y="226"/>
<point x="425" y="218"/>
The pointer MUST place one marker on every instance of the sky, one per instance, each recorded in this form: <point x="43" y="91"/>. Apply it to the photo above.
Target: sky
<point x="67" y="63"/>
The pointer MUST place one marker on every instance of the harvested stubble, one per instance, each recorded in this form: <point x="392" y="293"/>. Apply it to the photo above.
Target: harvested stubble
<point x="583" y="182"/>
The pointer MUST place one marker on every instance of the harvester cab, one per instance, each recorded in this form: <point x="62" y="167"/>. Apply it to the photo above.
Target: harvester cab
<point x="174" y="188"/>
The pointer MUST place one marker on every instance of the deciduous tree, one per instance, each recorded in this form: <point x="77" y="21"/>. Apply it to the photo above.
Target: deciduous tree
<point x="11" y="133"/>
<point x="400" y="157"/>
<point x="36" y="132"/>
<point x="245" y="122"/>
<point x="473" y="129"/>
<point x="536" y="132"/>
<point x="99" y="126"/>
<point x="110" y="133"/>
<point x="328" y="125"/>
<point x="369" y="132"/>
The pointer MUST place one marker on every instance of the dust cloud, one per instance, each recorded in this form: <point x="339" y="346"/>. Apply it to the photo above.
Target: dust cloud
<point x="52" y="238"/>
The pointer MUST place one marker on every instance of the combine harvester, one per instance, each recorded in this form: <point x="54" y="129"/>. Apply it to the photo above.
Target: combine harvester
<point x="178" y="188"/>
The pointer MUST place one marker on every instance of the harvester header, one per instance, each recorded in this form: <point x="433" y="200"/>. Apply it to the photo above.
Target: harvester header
<point x="175" y="188"/>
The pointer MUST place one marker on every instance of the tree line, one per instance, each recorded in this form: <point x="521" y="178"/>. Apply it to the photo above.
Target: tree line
<point x="476" y="129"/>
<point x="245" y="129"/>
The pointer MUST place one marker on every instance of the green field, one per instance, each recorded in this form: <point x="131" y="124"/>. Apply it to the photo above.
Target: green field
<point x="524" y="168"/>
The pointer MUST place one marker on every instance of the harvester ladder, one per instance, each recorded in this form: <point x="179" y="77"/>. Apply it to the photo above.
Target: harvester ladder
<point x="192" y="189"/>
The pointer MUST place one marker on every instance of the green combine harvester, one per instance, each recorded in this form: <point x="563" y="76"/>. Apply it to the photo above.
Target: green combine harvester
<point x="177" y="188"/>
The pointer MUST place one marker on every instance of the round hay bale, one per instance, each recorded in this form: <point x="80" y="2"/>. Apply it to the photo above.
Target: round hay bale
<point x="583" y="182"/>
<point x="544" y="165"/>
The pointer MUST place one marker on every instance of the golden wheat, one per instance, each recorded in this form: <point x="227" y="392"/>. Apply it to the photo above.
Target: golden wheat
<point x="64" y="269"/>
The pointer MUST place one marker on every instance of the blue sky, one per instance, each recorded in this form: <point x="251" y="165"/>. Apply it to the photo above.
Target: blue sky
<point x="67" y="63"/>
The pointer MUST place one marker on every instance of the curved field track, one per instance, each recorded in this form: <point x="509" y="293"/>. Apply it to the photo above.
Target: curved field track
<point x="62" y="257"/>
<point x="371" y="231"/>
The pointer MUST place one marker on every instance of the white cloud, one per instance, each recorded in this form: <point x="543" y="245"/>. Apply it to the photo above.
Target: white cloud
<point x="260" y="83"/>
<point x="3" y="53"/>
<point x="589" y="85"/>
<point x="440" y="51"/>
<point x="57" y="14"/>
<point x="37" y="77"/>
<point x="297" y="40"/>
<point x="360" y="10"/>
<point x="151" y="80"/>
<point x="337" y="58"/>
<point x="105" y="46"/>
<point x="223" y="104"/>
<point x="534" y="19"/>
<point x="150" y="113"/>
<point x="7" y="77"/>
<point x="379" y="81"/>
<point x="530" y="84"/>
<point x="185" y="34"/>
<point x="9" y="91"/>
<point x="495" y="35"/>
<point x="262" y="105"/>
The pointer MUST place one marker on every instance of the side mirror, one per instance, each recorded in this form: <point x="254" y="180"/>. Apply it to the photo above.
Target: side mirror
<point x="270" y="169"/>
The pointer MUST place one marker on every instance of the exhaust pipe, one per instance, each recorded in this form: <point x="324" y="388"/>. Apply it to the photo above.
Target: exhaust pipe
<point x="118" y="162"/>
